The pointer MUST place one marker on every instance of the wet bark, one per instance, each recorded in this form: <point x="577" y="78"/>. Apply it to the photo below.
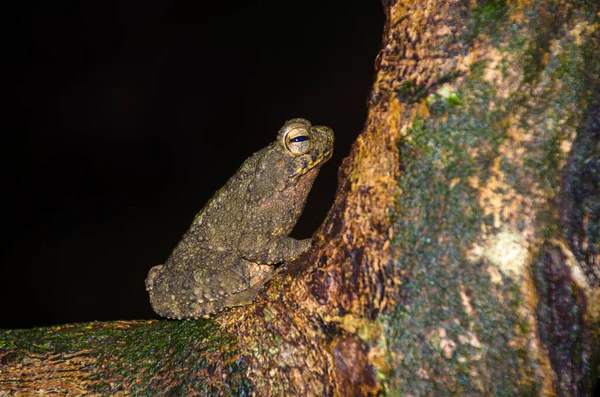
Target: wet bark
<point x="460" y="257"/>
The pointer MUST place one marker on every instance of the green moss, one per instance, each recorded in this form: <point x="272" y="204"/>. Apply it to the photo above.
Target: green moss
<point x="476" y="69"/>
<point x="454" y="100"/>
<point x="490" y="10"/>
<point x="145" y="357"/>
<point x="412" y="92"/>
<point x="487" y="17"/>
<point x="439" y="215"/>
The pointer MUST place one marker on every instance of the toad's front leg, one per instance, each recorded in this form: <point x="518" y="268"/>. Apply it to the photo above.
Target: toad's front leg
<point x="269" y="249"/>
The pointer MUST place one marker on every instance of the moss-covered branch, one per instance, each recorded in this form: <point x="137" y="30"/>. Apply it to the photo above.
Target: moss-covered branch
<point x="122" y="357"/>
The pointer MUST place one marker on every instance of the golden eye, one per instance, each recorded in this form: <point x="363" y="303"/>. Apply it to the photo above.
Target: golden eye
<point x="297" y="140"/>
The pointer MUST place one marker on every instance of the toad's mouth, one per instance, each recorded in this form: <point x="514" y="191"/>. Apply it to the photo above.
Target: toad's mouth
<point x="321" y="158"/>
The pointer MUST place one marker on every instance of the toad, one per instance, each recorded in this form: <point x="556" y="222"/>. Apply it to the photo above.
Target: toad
<point x="235" y="241"/>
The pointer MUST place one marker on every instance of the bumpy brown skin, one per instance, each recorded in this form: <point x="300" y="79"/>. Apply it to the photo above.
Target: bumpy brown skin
<point x="228" y="252"/>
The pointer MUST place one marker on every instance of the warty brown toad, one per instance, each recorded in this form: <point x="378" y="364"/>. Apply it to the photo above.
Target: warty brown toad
<point x="229" y="251"/>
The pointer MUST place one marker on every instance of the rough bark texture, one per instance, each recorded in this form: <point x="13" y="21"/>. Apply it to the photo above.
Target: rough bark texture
<point x="461" y="255"/>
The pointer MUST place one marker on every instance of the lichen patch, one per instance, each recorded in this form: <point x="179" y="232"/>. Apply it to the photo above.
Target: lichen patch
<point x="507" y="251"/>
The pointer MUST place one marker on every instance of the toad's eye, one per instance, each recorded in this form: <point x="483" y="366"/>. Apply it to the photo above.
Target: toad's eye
<point x="300" y="138"/>
<point x="297" y="141"/>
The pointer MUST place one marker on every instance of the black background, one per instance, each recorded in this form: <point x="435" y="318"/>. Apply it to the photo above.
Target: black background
<point x="126" y="116"/>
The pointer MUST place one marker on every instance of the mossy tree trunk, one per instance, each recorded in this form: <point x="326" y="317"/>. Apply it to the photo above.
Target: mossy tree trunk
<point x="461" y="255"/>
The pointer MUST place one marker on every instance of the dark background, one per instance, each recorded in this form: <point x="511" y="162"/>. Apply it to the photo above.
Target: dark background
<point x="126" y="116"/>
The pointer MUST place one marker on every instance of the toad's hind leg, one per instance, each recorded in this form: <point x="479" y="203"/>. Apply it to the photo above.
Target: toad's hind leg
<point x="245" y="295"/>
<point x="225" y="274"/>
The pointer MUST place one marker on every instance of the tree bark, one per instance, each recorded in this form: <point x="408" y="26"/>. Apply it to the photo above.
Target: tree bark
<point x="461" y="255"/>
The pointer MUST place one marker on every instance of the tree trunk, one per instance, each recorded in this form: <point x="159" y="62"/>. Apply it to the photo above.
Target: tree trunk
<point x="461" y="255"/>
